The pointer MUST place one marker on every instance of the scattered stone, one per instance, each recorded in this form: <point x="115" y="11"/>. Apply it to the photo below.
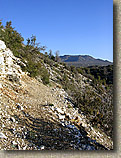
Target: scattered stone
<point x="60" y="111"/>
<point x="24" y="148"/>
<point x="42" y="147"/>
<point x="0" y="85"/>
<point x="2" y="135"/>
<point x="61" y="117"/>
<point x="3" y="125"/>
<point x="12" y="119"/>
<point x="19" y="107"/>
<point x="14" y="143"/>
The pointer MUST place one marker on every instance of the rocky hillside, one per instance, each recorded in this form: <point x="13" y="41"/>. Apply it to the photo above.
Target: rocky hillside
<point x="83" y="60"/>
<point x="45" y="104"/>
<point x="42" y="107"/>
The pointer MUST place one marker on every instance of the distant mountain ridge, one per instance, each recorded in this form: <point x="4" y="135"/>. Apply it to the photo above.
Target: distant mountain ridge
<point x="83" y="60"/>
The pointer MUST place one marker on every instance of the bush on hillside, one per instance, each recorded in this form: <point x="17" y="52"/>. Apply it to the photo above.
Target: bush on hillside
<point x="29" y="53"/>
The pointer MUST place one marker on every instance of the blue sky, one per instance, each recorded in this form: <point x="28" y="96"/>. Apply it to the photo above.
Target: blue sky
<point x="70" y="26"/>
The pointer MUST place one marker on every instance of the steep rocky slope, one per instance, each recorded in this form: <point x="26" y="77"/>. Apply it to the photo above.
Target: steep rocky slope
<point x="35" y="116"/>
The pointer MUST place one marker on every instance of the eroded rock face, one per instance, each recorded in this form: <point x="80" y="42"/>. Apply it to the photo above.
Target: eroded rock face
<point x="9" y="63"/>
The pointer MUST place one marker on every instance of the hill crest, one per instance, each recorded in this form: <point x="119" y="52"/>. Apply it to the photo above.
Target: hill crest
<point x="84" y="60"/>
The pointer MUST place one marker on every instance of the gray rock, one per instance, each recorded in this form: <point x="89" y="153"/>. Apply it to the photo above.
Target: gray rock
<point x="2" y="135"/>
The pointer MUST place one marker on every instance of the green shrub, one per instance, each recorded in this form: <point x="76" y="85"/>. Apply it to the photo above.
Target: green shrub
<point x="51" y="104"/>
<point x="45" y="75"/>
<point x="56" y="65"/>
<point x="69" y="106"/>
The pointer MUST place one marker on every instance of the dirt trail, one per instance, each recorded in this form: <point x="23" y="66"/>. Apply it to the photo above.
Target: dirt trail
<point x="33" y="117"/>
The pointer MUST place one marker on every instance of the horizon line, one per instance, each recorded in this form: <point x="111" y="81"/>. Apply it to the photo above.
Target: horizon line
<point x="88" y="55"/>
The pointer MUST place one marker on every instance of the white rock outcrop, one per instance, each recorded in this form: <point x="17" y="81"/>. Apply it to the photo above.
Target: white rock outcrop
<point x="2" y="45"/>
<point x="8" y="62"/>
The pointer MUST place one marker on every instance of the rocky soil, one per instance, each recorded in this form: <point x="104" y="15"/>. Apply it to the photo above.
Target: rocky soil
<point x="37" y="117"/>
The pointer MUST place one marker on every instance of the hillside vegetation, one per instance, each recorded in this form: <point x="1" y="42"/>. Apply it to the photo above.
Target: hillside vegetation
<point x="89" y="89"/>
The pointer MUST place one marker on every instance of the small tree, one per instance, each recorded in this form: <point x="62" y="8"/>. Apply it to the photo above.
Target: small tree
<point x="50" y="53"/>
<point x="43" y="48"/>
<point x="33" y="40"/>
<point x="28" y="41"/>
<point x="57" y="58"/>
<point x="8" y="24"/>
<point x="1" y="26"/>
